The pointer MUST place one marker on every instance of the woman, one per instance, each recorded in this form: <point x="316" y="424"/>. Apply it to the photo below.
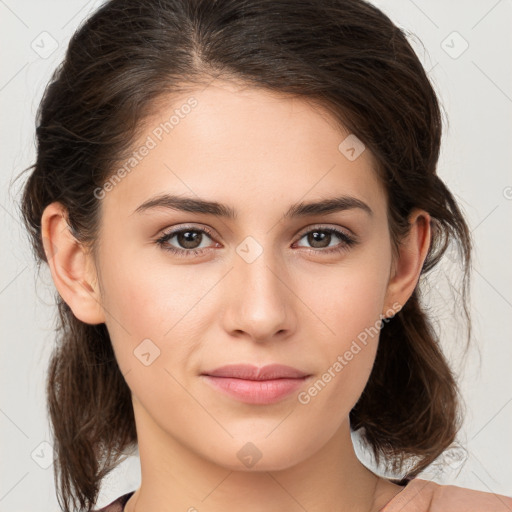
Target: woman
<point x="236" y="200"/>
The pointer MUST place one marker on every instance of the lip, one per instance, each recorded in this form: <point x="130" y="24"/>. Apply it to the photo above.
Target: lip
<point x="250" y="372"/>
<point x="253" y="385"/>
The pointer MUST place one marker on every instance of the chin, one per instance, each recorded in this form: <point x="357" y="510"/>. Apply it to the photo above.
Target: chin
<point x="260" y="455"/>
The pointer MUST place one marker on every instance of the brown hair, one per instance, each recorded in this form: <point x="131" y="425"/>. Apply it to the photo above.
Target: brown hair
<point x="345" y="55"/>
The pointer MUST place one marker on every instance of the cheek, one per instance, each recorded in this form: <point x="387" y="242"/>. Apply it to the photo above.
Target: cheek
<point x="353" y="317"/>
<point x="348" y="298"/>
<point x="349" y="304"/>
<point x="154" y="314"/>
<point x="138" y="305"/>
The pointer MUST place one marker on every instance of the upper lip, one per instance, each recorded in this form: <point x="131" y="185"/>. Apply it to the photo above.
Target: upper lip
<point x="250" y="372"/>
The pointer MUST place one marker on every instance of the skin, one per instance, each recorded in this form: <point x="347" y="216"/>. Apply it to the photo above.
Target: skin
<point x="258" y="153"/>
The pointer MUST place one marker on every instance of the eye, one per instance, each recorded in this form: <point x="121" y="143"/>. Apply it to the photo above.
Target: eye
<point x="190" y="239"/>
<point x="321" y="237"/>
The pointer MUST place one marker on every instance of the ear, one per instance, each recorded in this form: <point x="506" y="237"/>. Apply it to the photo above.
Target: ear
<point x="406" y="267"/>
<point x="71" y="266"/>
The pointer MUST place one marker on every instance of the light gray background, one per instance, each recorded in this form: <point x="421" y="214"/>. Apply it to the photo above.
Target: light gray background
<point x="476" y="90"/>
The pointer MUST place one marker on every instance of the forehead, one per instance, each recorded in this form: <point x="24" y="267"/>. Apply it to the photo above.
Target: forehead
<point x="244" y="147"/>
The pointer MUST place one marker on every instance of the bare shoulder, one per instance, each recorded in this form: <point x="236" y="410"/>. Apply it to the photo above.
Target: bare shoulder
<point x="423" y="495"/>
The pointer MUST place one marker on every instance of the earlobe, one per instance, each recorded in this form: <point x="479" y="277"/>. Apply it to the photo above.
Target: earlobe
<point x="71" y="266"/>
<point x="409" y="262"/>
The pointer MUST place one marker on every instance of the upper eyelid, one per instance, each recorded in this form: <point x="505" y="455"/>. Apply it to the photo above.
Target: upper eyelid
<point x="322" y="227"/>
<point x="174" y="231"/>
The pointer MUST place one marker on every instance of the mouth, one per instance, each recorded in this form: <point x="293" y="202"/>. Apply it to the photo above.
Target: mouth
<point x="253" y="385"/>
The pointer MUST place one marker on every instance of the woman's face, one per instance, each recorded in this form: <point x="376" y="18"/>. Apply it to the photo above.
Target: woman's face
<point x="258" y="288"/>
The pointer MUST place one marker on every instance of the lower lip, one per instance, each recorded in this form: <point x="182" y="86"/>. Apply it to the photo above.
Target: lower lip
<point x="256" y="391"/>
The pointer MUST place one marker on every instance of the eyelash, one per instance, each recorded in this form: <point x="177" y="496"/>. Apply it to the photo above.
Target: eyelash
<point x="347" y="241"/>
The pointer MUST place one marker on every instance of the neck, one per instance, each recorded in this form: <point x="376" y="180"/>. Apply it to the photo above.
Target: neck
<point x="173" y="477"/>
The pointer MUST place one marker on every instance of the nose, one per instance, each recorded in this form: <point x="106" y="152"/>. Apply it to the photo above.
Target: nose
<point x="261" y="300"/>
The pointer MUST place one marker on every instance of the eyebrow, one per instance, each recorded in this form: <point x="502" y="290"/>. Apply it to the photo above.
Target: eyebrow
<point x="301" y="209"/>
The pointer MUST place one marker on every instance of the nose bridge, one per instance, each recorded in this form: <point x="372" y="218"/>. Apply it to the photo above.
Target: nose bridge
<point x="260" y="301"/>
